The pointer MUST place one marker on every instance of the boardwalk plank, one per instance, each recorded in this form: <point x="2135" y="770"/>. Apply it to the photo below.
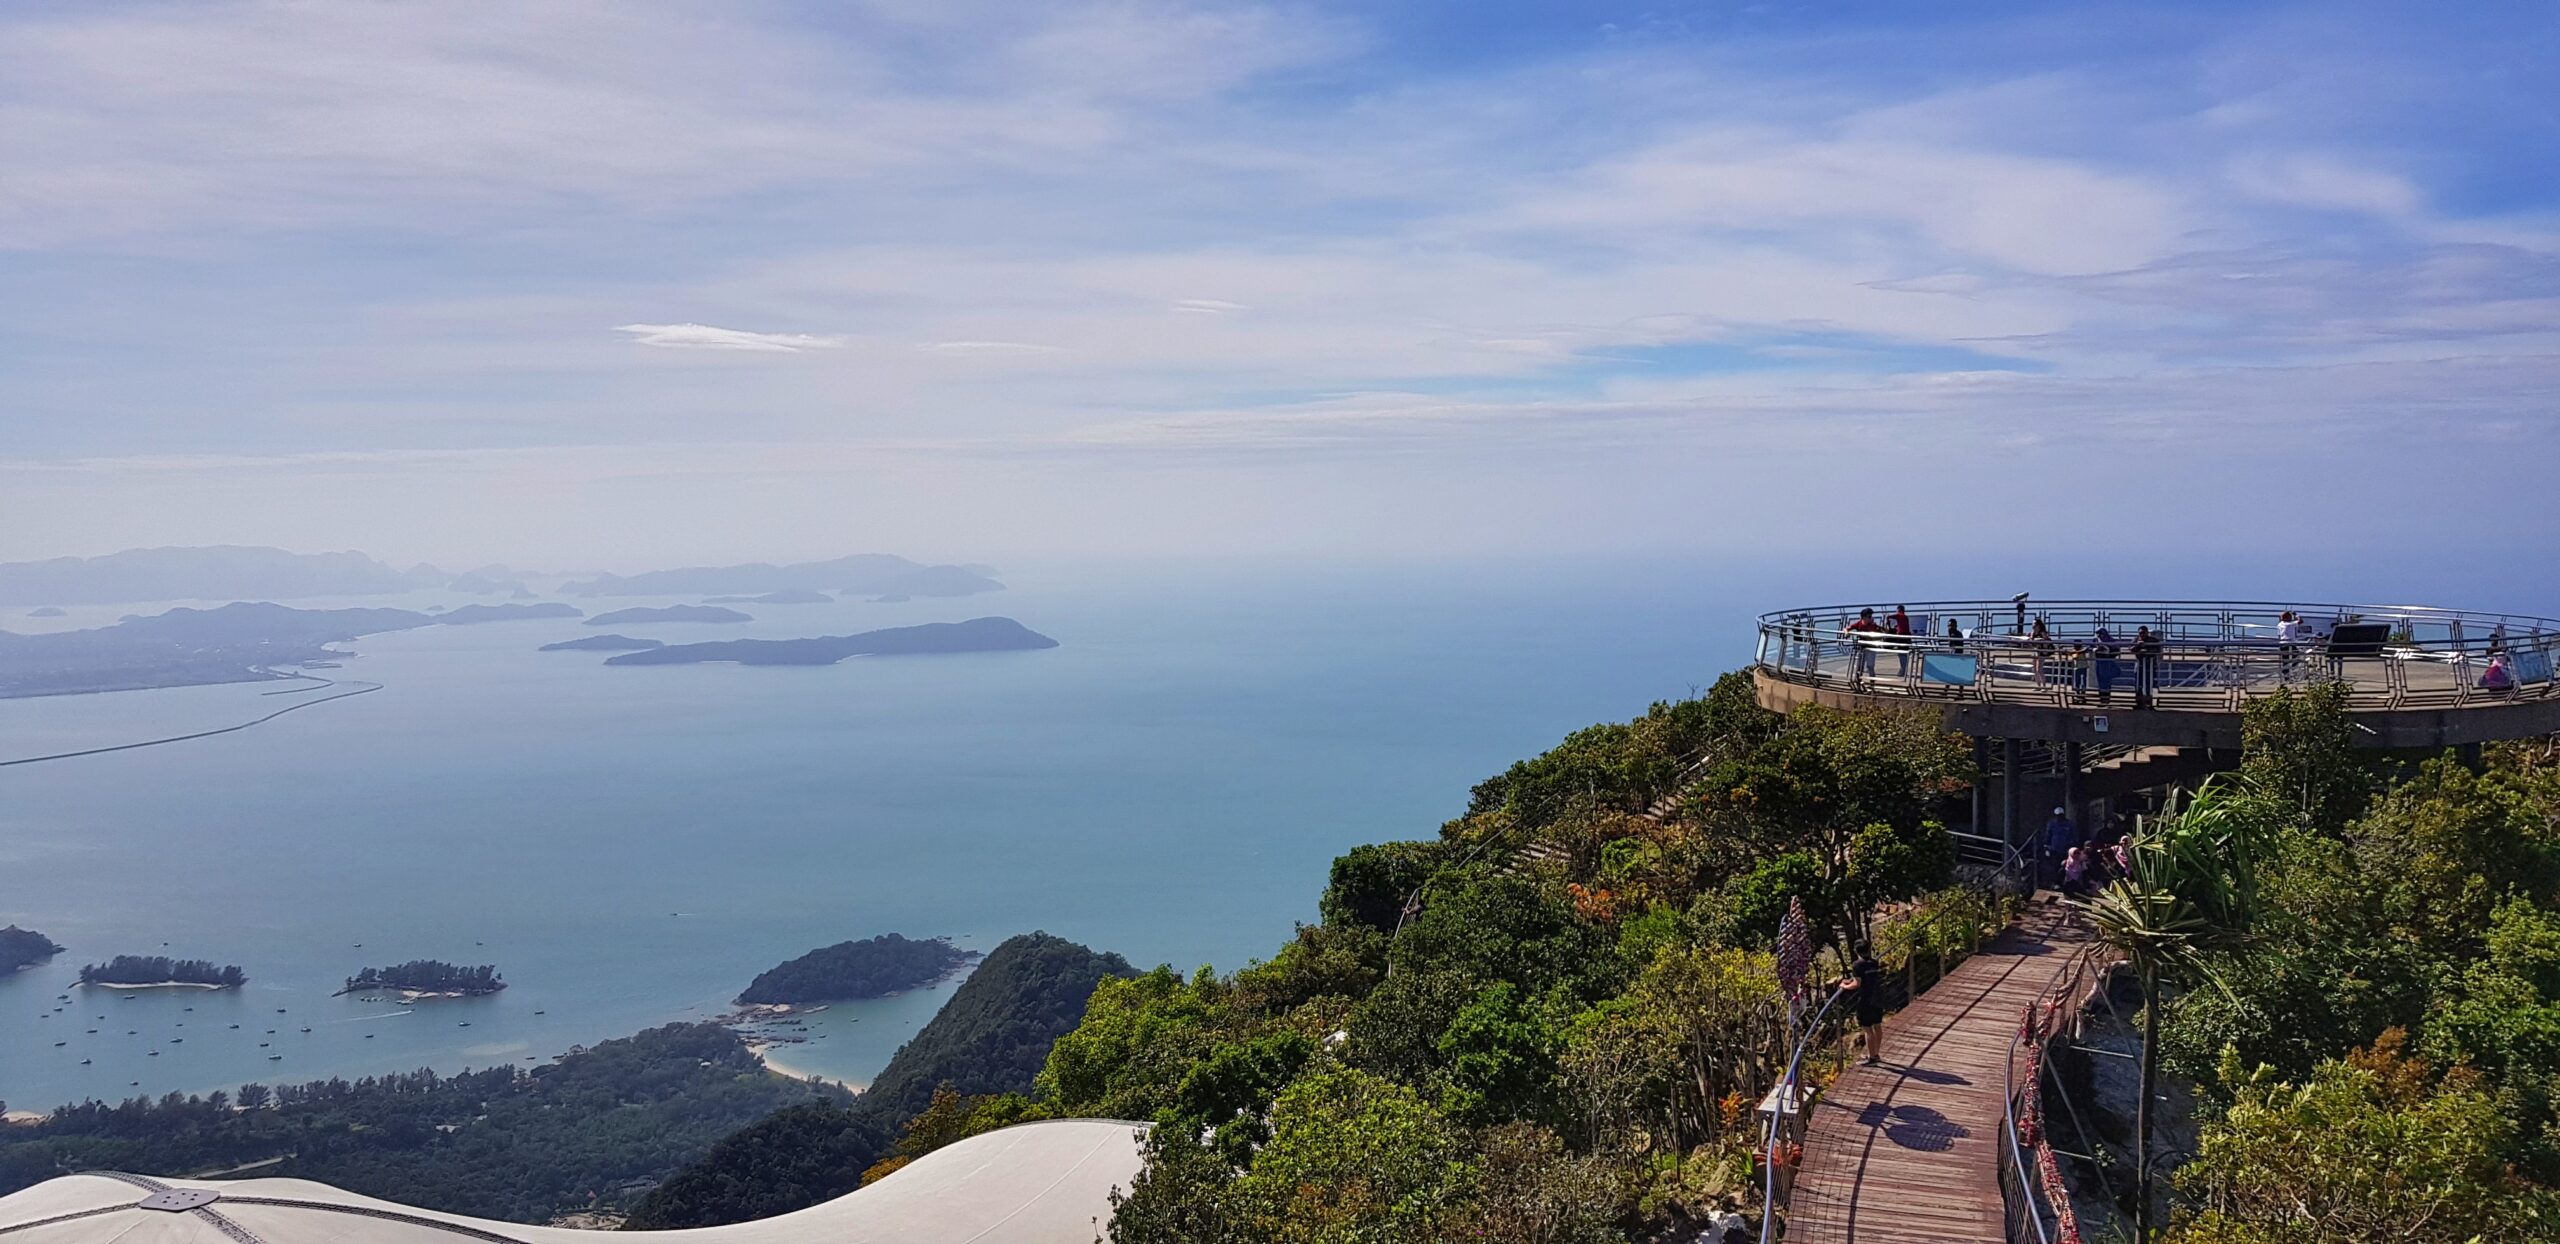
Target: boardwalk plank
<point x="1906" y="1151"/>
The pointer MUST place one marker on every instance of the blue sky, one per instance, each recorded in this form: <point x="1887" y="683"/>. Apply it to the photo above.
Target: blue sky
<point x="620" y="284"/>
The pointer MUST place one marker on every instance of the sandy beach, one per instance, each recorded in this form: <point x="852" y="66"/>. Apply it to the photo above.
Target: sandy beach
<point x="765" y="1055"/>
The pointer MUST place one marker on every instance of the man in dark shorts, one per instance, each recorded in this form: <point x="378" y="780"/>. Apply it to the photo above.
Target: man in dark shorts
<point x="1865" y="987"/>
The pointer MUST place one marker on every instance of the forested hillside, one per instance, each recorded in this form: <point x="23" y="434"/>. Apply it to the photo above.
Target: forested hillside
<point x="20" y="948"/>
<point x="1551" y="1021"/>
<point x="159" y="969"/>
<point x="991" y="1037"/>
<point x="1556" y="1013"/>
<point x="865" y="969"/>
<point x="594" y="1130"/>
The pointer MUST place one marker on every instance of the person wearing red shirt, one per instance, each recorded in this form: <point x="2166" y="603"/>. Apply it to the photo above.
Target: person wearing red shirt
<point x="1866" y="655"/>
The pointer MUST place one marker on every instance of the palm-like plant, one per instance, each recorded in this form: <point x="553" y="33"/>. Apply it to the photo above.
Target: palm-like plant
<point x="2189" y="890"/>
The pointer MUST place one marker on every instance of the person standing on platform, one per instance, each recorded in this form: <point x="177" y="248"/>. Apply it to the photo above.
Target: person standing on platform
<point x="1899" y="626"/>
<point x="1861" y="635"/>
<point x="1865" y="986"/>
<point x="2288" y="640"/>
<point x="2146" y="665"/>
<point x="1955" y="636"/>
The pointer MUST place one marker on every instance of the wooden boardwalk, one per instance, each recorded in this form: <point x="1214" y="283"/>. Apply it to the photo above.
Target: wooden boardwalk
<point x="1908" y="1150"/>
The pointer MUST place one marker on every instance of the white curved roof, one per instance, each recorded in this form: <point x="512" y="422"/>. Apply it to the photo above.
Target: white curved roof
<point x="1038" y="1183"/>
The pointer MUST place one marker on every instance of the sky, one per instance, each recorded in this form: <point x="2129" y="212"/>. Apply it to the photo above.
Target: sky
<point x="625" y="284"/>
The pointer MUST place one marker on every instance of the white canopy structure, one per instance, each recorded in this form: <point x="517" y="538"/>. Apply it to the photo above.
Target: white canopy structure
<point x="1038" y="1183"/>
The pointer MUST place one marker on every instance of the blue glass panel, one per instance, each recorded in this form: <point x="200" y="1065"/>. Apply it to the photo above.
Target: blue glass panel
<point x="1952" y="669"/>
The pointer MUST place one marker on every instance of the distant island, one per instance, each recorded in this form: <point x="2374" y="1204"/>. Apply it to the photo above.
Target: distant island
<point x="429" y="978"/>
<point x="603" y="643"/>
<point x="21" y="949"/>
<point x="865" y="969"/>
<point x="469" y="614"/>
<point x="149" y="971"/>
<point x="46" y="611"/>
<point x="975" y="635"/>
<point x="860" y="574"/>
<point x="670" y="613"/>
<point x="241" y="642"/>
<point x="791" y="596"/>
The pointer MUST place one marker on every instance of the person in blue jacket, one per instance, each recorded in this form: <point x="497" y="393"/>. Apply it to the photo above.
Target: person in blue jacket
<point x="2060" y="835"/>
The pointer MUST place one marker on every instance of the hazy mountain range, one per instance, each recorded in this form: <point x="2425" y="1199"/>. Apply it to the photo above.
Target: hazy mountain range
<point x="230" y="572"/>
<point x="243" y="572"/>
<point x="875" y="574"/>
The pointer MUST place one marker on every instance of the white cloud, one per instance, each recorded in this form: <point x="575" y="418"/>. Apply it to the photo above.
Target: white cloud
<point x="707" y="337"/>
<point x="2318" y="181"/>
<point x="1207" y="306"/>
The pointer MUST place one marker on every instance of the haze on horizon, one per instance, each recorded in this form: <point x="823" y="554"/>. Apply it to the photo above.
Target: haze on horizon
<point x="643" y="284"/>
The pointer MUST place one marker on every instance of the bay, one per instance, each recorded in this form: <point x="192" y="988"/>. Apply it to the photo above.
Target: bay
<point x="631" y="845"/>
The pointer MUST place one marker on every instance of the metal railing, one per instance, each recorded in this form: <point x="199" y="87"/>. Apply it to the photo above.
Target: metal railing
<point x="2197" y="655"/>
<point x="1790" y="1101"/>
<point x="2035" y="1200"/>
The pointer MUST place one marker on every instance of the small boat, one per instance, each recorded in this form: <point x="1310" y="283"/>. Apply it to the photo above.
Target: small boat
<point x="177" y="1040"/>
<point x="275" y="1058"/>
<point x="262" y="1045"/>
<point x="59" y="1044"/>
<point x="154" y="1054"/>
<point x="84" y="1062"/>
<point x="279" y="1010"/>
<point x="542" y="1012"/>
<point x="368" y="1036"/>
<point x="464" y="1024"/>
<point x="235" y="1025"/>
<point x="306" y="1030"/>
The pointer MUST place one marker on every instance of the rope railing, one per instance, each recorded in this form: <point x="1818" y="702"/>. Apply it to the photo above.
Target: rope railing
<point x="2037" y="1201"/>
<point x="2198" y="655"/>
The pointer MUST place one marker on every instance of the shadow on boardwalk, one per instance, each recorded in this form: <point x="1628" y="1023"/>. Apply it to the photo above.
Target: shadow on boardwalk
<point x="1908" y="1150"/>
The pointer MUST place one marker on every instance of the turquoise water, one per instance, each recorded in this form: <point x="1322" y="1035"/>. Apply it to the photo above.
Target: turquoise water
<point x="631" y="845"/>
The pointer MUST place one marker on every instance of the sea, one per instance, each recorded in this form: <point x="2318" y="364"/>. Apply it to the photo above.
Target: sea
<point x="630" y="846"/>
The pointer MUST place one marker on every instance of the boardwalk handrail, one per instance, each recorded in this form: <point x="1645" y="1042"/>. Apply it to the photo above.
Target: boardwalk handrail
<point x="2031" y="1185"/>
<point x="2207" y="655"/>
<point x="1790" y="1101"/>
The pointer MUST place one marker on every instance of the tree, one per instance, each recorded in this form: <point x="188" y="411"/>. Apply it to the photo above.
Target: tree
<point x="1354" y="1159"/>
<point x="2375" y="1147"/>
<point x="2298" y="745"/>
<point x="2191" y="889"/>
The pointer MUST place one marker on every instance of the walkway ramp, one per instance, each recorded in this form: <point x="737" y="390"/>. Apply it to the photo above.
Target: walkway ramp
<point x="1906" y="1152"/>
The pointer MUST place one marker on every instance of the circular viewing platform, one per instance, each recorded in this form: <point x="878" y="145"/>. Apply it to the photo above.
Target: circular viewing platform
<point x="2168" y="673"/>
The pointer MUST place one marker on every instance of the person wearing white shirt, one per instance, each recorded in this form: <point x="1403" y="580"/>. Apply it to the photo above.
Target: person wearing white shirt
<point x="2288" y="639"/>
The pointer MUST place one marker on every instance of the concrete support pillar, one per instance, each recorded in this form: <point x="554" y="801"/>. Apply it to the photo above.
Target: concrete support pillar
<point x="2071" y="780"/>
<point x="2472" y="757"/>
<point x="2012" y="791"/>
<point x="1981" y="774"/>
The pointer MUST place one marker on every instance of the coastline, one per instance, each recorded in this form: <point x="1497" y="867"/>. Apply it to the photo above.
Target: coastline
<point x="152" y="985"/>
<point x="764" y="1054"/>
